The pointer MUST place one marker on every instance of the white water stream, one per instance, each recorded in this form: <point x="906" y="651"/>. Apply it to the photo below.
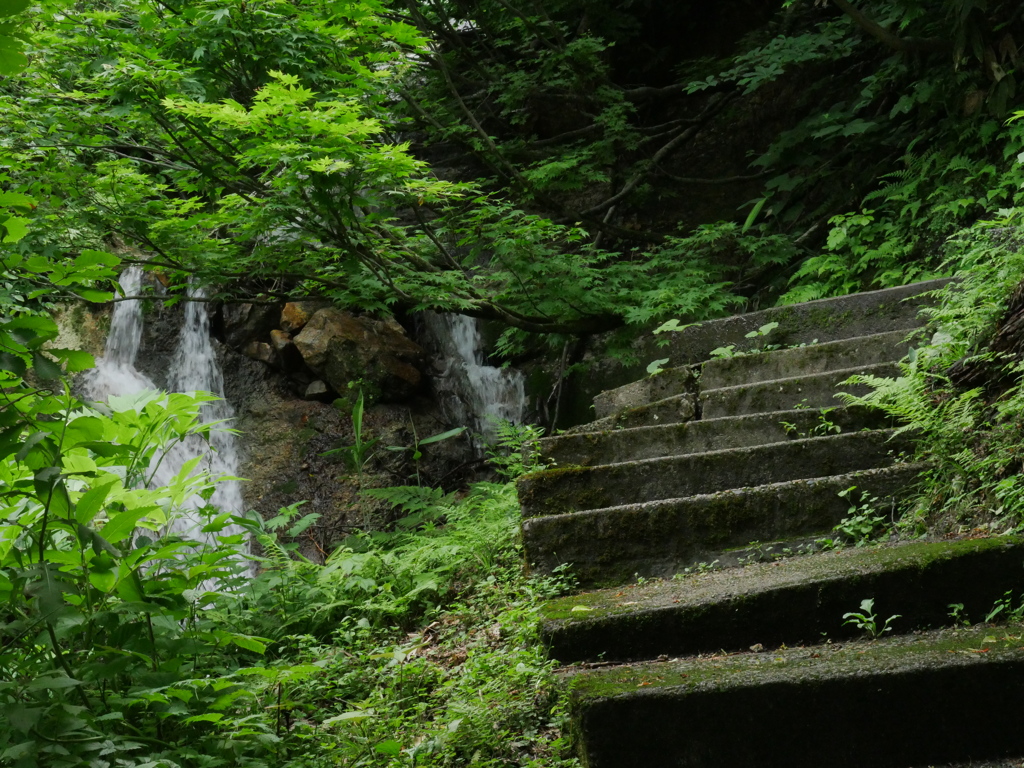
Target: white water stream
<point x="474" y="394"/>
<point x="193" y="368"/>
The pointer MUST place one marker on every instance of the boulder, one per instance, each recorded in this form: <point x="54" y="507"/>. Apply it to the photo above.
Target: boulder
<point x="341" y="348"/>
<point x="244" y="323"/>
<point x="295" y="314"/>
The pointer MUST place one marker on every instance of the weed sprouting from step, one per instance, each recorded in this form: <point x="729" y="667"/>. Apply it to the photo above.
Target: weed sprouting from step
<point x="824" y="427"/>
<point x="867" y="620"/>
<point x="1004" y="608"/>
<point x="862" y="525"/>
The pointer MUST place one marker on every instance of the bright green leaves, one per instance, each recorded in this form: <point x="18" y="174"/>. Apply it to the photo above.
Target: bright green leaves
<point x="12" y="56"/>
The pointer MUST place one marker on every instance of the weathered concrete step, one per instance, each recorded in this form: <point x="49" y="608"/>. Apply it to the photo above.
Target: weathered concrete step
<point x="572" y="489"/>
<point x="792" y="601"/>
<point x="930" y="698"/>
<point x="814" y="391"/>
<point x="611" y="546"/>
<point x="669" y="410"/>
<point x="668" y="383"/>
<point x="803" y="361"/>
<point x="821" y="321"/>
<point x="613" y="446"/>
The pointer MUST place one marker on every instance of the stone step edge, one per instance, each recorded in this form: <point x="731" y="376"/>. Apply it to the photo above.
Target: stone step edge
<point x="937" y="697"/>
<point x="653" y="428"/>
<point x="885" y="337"/>
<point x="721" y="451"/>
<point x="893" y="308"/>
<point x="845" y="373"/>
<point x="794" y="600"/>
<point x="659" y="538"/>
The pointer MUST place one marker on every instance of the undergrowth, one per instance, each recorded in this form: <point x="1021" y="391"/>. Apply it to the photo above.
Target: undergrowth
<point x="971" y="436"/>
<point x="424" y="642"/>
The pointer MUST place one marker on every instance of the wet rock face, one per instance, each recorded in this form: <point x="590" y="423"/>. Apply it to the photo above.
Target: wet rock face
<point x="340" y="348"/>
<point x="282" y="442"/>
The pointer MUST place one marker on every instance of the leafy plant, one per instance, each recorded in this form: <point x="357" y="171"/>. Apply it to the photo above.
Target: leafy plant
<point x="863" y="523"/>
<point x="517" y="449"/>
<point x="357" y="455"/>
<point x="867" y="621"/>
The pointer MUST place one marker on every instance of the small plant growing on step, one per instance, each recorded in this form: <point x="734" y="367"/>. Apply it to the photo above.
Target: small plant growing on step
<point x="730" y="350"/>
<point x="1003" y="607"/>
<point x="867" y="620"/>
<point x="863" y="523"/>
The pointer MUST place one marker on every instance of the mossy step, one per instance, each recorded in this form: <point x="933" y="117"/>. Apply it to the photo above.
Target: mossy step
<point x="613" y="446"/>
<point x="611" y="546"/>
<point x="821" y="321"/>
<point x="668" y="383"/>
<point x="804" y="361"/>
<point x="792" y="601"/>
<point x="674" y="409"/>
<point x="573" y="489"/>
<point x="925" y="699"/>
<point x="813" y="391"/>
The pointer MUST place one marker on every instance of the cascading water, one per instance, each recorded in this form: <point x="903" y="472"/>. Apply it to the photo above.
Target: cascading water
<point x="474" y="394"/>
<point x="194" y="368"/>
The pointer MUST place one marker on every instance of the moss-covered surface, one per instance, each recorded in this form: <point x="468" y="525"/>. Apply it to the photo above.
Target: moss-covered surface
<point x="610" y="446"/>
<point x="572" y="489"/>
<point x="937" y="648"/>
<point x="805" y="360"/>
<point x="792" y="601"/>
<point x="812" y="391"/>
<point x="920" y="699"/>
<point x="609" y="546"/>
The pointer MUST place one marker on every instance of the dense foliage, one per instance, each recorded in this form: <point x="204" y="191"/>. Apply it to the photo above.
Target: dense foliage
<point x="576" y="150"/>
<point x="564" y="167"/>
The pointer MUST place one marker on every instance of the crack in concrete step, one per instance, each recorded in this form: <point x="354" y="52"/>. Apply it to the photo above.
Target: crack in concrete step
<point x="792" y="601"/>
<point x="572" y="489"/>
<point x="928" y="698"/>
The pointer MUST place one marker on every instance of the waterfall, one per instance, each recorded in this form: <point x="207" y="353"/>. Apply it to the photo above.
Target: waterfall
<point x="193" y="368"/>
<point x="474" y="394"/>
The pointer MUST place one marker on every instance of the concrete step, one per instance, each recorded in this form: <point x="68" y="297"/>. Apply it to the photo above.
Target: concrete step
<point x="932" y="698"/>
<point x="803" y="361"/>
<point x="814" y="391"/>
<point x="674" y="409"/>
<point x="674" y="381"/>
<point x="573" y="489"/>
<point x="793" y="601"/>
<point x="612" y="446"/>
<point x="660" y="538"/>
<point x="821" y="321"/>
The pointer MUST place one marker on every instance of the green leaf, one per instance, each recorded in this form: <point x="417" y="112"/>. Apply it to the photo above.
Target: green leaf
<point x="16" y="200"/>
<point x="104" y="581"/>
<point x="45" y="368"/>
<point x="442" y="436"/>
<point x="752" y="217"/>
<point x="16" y="226"/>
<point x="92" y="500"/>
<point x="13" y="7"/>
<point x="249" y="643"/>
<point x="656" y="366"/>
<point x="12" y="60"/>
<point x="389" y="747"/>
<point x="120" y="526"/>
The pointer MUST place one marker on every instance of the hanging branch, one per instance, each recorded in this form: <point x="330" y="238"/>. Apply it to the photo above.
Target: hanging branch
<point x="888" y="38"/>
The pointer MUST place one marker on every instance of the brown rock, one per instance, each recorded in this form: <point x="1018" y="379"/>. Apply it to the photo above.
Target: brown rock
<point x="259" y="350"/>
<point x="296" y="314"/>
<point x="280" y="340"/>
<point x="341" y="348"/>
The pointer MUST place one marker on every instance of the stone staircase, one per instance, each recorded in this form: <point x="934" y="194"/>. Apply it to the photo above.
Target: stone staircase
<point x="732" y="462"/>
